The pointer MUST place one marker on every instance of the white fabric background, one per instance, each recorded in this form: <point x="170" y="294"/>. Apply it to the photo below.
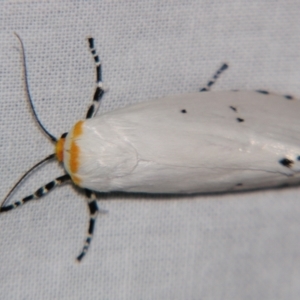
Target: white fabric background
<point x="234" y="246"/>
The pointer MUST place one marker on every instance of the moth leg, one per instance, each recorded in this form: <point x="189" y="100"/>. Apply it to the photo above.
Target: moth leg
<point x="38" y="194"/>
<point x="93" y="209"/>
<point x="99" y="91"/>
<point x="212" y="81"/>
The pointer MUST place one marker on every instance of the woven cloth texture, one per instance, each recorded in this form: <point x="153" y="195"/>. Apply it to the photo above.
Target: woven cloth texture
<point x="232" y="246"/>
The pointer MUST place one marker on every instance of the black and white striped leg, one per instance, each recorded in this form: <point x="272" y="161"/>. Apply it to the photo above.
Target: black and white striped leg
<point x="214" y="78"/>
<point x="93" y="209"/>
<point x="38" y="194"/>
<point x="99" y="89"/>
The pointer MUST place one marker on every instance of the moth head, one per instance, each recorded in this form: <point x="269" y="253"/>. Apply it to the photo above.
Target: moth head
<point x="59" y="147"/>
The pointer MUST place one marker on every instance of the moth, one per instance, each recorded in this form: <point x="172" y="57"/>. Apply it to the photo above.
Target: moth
<point x="192" y="143"/>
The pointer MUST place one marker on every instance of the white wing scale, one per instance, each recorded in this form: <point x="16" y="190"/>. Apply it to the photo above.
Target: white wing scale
<point x="203" y="142"/>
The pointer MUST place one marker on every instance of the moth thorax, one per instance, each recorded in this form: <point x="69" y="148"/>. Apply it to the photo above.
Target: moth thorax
<point x="59" y="149"/>
<point x="71" y="152"/>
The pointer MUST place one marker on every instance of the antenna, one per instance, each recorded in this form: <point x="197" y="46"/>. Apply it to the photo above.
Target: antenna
<point x="21" y="179"/>
<point x="52" y="138"/>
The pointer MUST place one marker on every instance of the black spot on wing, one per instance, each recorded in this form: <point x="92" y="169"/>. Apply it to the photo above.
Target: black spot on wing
<point x="233" y="108"/>
<point x="240" y="120"/>
<point x="239" y="184"/>
<point x="203" y="90"/>
<point x="286" y="162"/>
<point x="64" y="135"/>
<point x="289" y="97"/>
<point x="183" y="111"/>
<point x="262" y="92"/>
<point x="298" y="158"/>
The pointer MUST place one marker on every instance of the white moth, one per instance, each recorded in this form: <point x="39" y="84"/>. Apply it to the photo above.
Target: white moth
<point x="192" y="143"/>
